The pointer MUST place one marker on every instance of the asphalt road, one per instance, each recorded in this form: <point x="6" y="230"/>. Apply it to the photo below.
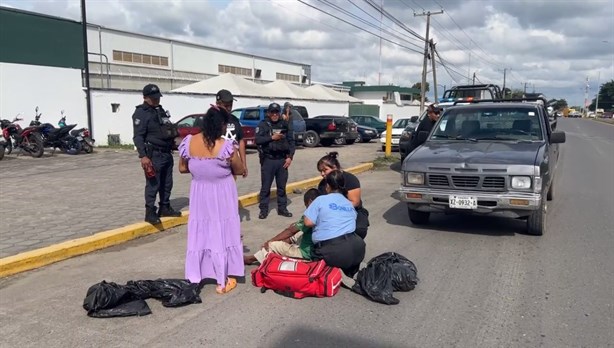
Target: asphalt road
<point x="482" y="282"/>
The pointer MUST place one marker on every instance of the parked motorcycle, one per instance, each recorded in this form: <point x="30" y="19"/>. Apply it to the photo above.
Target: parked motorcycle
<point x="58" y="138"/>
<point x="27" y="139"/>
<point x="83" y="135"/>
<point x="2" y="146"/>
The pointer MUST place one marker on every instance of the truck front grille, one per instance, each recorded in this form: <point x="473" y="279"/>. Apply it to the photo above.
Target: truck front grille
<point x="486" y="183"/>
<point x="438" y="180"/>
<point x="465" y="181"/>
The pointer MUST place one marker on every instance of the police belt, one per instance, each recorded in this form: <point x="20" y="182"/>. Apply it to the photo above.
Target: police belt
<point x="334" y="240"/>
<point x="157" y="148"/>
<point x="275" y="156"/>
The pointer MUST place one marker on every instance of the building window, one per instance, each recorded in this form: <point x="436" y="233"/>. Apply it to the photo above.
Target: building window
<point x="130" y="57"/>
<point x="288" y="77"/>
<point x="223" y="69"/>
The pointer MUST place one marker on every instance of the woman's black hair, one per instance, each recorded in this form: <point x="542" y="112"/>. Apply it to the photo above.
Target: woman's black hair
<point x="336" y="181"/>
<point x="212" y="125"/>
<point x="330" y="160"/>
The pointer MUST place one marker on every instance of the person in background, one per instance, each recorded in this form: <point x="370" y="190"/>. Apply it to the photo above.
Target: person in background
<point x="295" y="241"/>
<point x="214" y="247"/>
<point x="330" y="163"/>
<point x="333" y="219"/>
<point x="426" y="125"/>
<point x="234" y="131"/>
<point x="275" y="141"/>
<point x="154" y="136"/>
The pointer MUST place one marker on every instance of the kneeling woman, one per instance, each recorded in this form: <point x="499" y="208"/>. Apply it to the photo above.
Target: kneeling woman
<point x="333" y="219"/>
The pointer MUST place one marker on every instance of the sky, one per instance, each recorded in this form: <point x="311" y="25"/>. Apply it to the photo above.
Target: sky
<point x="551" y="46"/>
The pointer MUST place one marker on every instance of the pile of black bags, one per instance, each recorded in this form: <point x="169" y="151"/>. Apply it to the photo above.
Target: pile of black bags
<point x="385" y="274"/>
<point x="106" y="300"/>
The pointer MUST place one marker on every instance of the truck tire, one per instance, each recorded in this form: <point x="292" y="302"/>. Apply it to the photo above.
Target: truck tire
<point x="311" y="139"/>
<point x="550" y="194"/>
<point x="536" y="222"/>
<point x="418" y="217"/>
<point x="340" y="141"/>
<point x="327" y="142"/>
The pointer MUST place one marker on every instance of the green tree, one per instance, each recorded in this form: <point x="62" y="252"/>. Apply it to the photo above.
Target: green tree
<point x="418" y="85"/>
<point x="606" y="97"/>
<point x="517" y="93"/>
<point x="559" y="104"/>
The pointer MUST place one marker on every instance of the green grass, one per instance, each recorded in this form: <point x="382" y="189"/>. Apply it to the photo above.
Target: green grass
<point x="383" y="162"/>
<point x="120" y="147"/>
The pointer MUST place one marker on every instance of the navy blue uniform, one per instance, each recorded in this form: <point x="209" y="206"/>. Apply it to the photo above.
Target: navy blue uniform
<point x="273" y="155"/>
<point x="153" y="138"/>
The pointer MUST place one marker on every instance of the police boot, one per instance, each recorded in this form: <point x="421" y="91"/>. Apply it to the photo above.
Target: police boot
<point x="166" y="210"/>
<point x="151" y="216"/>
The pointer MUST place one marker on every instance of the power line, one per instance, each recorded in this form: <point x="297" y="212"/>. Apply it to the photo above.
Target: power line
<point x="359" y="28"/>
<point x="395" y="20"/>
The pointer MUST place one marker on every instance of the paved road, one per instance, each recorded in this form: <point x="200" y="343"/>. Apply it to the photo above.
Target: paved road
<point x="53" y="199"/>
<point x="482" y="284"/>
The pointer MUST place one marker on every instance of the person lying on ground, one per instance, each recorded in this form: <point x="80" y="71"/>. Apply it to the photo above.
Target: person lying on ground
<point x="295" y="241"/>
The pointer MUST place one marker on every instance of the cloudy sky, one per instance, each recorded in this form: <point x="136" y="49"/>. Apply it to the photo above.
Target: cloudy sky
<point x="549" y="44"/>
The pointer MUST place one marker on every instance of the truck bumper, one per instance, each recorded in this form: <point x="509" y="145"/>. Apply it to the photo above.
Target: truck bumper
<point x="505" y="204"/>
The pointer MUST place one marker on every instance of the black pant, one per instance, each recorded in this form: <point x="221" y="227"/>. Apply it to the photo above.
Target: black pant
<point x="162" y="183"/>
<point x="269" y="170"/>
<point x="345" y="252"/>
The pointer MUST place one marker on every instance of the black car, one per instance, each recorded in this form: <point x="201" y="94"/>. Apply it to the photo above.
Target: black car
<point x="366" y="134"/>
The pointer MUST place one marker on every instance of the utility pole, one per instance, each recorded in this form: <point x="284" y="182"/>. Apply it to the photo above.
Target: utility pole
<point x="473" y="82"/>
<point x="504" y="75"/>
<point x="525" y="87"/>
<point x="434" y="69"/>
<point x="381" y="21"/>
<point x="598" y="90"/>
<point x="586" y="98"/>
<point x="426" y="53"/>
<point x="88" y="99"/>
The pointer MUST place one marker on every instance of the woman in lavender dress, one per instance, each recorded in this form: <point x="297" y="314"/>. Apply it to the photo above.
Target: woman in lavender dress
<point x="214" y="248"/>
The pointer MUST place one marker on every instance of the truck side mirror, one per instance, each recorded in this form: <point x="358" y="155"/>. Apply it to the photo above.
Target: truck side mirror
<point x="557" y="137"/>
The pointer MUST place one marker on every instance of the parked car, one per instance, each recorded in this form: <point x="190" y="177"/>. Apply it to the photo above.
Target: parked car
<point x="349" y="137"/>
<point x="325" y="129"/>
<point x="188" y="125"/>
<point x="253" y="115"/>
<point x="366" y="134"/>
<point x="487" y="159"/>
<point x="370" y="121"/>
<point x="397" y="129"/>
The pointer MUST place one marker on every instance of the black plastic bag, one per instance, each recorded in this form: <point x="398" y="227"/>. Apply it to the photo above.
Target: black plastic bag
<point x="106" y="300"/>
<point x="375" y="283"/>
<point x="384" y="274"/>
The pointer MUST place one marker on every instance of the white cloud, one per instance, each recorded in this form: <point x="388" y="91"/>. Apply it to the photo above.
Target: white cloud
<point x="551" y="44"/>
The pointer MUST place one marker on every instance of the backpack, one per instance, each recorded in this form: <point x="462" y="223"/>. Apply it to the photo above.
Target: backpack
<point x="297" y="278"/>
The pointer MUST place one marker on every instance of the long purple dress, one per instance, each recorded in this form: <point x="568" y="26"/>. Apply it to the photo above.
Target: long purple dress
<point x="214" y="248"/>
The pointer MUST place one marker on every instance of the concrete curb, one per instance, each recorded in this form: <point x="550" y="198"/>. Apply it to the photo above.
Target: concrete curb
<point x="33" y="259"/>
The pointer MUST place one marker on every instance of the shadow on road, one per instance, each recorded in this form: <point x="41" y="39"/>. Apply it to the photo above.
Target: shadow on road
<point x="180" y="203"/>
<point x="307" y="337"/>
<point x="457" y="223"/>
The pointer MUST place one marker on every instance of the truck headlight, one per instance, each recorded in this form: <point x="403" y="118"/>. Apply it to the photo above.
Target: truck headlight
<point x="521" y="182"/>
<point x="413" y="178"/>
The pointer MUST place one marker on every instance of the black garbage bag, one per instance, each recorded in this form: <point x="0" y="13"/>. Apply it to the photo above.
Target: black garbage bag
<point x="106" y="300"/>
<point x="385" y="274"/>
<point x="375" y="283"/>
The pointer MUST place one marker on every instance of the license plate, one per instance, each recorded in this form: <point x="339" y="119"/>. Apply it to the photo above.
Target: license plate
<point x="80" y="138"/>
<point x="395" y="141"/>
<point x="463" y="202"/>
<point x="300" y="136"/>
<point x="250" y="142"/>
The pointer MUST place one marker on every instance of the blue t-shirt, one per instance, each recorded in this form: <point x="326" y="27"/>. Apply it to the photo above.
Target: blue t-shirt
<point x="333" y="215"/>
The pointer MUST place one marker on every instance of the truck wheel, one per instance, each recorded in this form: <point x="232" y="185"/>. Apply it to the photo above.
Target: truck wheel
<point x="418" y="217"/>
<point x="360" y="139"/>
<point x="312" y="139"/>
<point x="327" y="142"/>
<point x="536" y="222"/>
<point x="340" y="141"/>
<point x="349" y="142"/>
<point x="550" y="194"/>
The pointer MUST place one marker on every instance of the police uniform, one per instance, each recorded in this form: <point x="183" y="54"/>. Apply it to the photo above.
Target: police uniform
<point x="154" y="136"/>
<point x="273" y="156"/>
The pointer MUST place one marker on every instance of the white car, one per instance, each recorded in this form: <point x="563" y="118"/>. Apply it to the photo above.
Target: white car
<point x="397" y="130"/>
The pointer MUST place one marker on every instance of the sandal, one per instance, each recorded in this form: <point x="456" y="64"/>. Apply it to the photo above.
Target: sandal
<point x="230" y="284"/>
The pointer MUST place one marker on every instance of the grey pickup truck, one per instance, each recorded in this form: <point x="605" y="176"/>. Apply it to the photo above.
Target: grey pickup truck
<point x="489" y="157"/>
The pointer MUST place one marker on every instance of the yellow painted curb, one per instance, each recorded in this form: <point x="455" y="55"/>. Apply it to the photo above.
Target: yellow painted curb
<point x="33" y="259"/>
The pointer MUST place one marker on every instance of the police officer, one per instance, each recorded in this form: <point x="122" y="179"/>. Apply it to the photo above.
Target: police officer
<point x="426" y="125"/>
<point x="154" y="136"/>
<point x="276" y="145"/>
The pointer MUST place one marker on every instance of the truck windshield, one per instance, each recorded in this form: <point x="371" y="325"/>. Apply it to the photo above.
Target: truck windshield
<point x="506" y="124"/>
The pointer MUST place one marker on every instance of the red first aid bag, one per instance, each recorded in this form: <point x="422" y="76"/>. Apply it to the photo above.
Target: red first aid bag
<point x="297" y="278"/>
